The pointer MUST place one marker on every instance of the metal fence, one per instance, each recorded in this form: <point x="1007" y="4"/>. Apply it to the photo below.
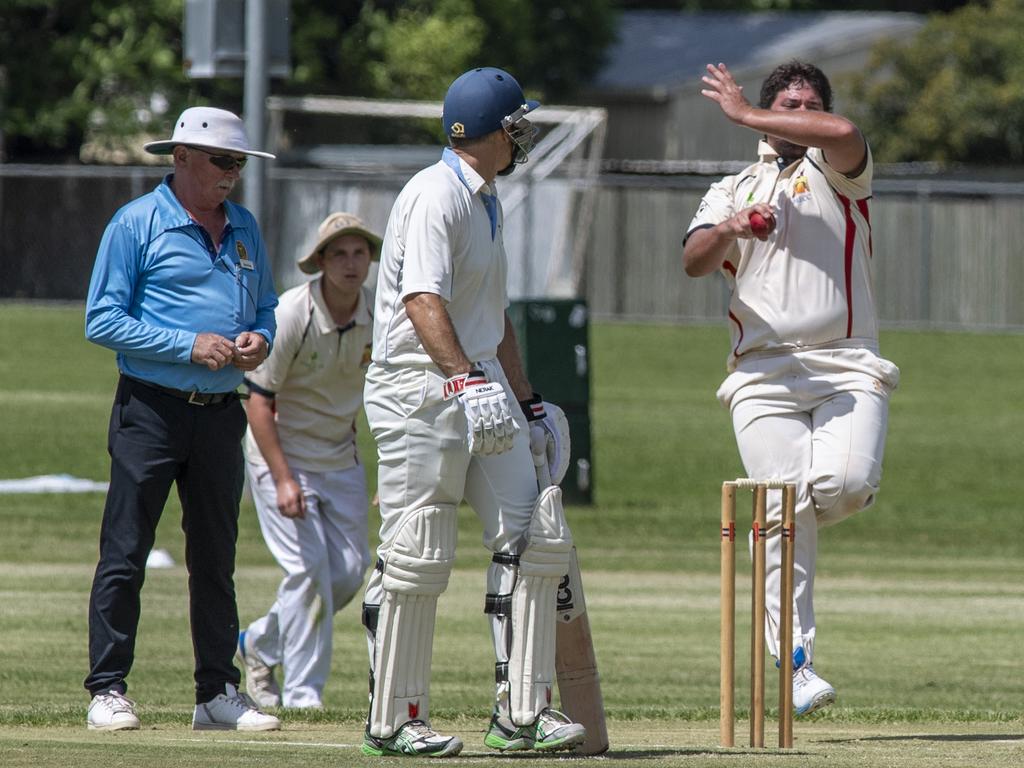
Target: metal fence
<point x="947" y="253"/>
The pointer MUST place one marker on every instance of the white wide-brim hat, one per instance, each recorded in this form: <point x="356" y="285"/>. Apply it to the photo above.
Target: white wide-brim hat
<point x="336" y="225"/>
<point x="207" y="128"/>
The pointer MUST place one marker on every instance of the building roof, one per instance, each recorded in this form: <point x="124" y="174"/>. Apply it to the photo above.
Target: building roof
<point x="665" y="50"/>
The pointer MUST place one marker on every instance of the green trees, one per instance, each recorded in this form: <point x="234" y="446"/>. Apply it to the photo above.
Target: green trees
<point x="73" y="71"/>
<point x="954" y="93"/>
<point x="408" y="50"/>
<point x="75" y="67"/>
<point x="94" y="72"/>
<point x="414" y="48"/>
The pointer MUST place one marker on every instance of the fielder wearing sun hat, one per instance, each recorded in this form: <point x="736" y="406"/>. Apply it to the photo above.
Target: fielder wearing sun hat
<point x="207" y="128"/>
<point x="336" y="225"/>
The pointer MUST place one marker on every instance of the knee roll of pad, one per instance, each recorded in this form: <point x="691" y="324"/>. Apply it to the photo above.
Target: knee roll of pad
<point x="549" y="540"/>
<point x="422" y="554"/>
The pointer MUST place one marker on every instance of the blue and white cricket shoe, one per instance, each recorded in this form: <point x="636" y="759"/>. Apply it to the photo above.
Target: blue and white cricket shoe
<point x="810" y="692"/>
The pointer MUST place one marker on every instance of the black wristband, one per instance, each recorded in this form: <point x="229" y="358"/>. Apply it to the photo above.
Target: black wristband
<point x="533" y="408"/>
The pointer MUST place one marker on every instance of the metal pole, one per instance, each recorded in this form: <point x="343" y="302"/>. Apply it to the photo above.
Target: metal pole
<point x="255" y="104"/>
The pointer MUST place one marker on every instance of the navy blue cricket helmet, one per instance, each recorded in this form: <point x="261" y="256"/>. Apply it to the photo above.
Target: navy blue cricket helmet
<point x="479" y="100"/>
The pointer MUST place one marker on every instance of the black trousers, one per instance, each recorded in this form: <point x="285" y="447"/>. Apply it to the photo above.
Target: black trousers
<point x="156" y="440"/>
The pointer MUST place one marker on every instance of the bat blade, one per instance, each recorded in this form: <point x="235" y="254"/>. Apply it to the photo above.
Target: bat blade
<point x="579" y="684"/>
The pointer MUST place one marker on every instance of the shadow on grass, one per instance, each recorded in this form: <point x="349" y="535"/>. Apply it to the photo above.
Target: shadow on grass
<point x="933" y="737"/>
<point x="640" y="754"/>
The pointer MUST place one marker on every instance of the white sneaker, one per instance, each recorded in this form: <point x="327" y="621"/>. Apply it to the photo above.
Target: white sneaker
<point x="111" y="711"/>
<point x="810" y="692"/>
<point x="232" y="711"/>
<point x="259" y="678"/>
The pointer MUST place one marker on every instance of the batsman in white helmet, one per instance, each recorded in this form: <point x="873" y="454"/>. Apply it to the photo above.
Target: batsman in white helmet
<point x="441" y="401"/>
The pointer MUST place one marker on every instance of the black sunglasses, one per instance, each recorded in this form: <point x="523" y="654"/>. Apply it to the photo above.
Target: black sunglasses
<point x="225" y="162"/>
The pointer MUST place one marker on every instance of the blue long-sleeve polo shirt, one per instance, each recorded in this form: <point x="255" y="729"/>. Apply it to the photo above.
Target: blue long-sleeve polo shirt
<point x="158" y="282"/>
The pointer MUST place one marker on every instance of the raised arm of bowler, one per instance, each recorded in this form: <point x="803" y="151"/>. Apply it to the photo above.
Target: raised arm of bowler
<point x="440" y="400"/>
<point x="807" y="388"/>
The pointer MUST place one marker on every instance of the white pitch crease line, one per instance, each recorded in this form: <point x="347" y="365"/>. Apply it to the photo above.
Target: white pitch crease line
<point x="269" y="743"/>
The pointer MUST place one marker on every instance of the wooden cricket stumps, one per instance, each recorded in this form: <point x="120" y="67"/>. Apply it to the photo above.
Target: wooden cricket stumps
<point x="757" y="632"/>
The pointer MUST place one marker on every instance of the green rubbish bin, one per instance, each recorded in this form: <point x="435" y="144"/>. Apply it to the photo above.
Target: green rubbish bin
<point x="553" y="339"/>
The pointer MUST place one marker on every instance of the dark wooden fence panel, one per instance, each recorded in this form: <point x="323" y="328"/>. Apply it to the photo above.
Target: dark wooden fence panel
<point x="946" y="254"/>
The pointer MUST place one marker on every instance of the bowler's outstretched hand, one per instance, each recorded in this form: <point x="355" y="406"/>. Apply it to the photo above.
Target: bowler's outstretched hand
<point x="723" y="89"/>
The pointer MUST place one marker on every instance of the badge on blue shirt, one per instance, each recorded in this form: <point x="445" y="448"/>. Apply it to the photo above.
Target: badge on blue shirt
<point x="243" y="257"/>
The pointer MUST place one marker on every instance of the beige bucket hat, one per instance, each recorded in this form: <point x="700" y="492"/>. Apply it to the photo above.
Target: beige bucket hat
<point x="207" y="128"/>
<point x="336" y="225"/>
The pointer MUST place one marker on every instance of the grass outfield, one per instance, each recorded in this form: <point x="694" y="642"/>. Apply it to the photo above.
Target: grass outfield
<point x="920" y="599"/>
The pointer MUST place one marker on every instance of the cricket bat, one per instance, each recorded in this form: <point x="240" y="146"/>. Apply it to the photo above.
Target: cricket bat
<point x="579" y="685"/>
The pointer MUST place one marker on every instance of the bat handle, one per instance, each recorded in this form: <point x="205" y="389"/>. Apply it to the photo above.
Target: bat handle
<point x="538" y="449"/>
<point x="540" y="465"/>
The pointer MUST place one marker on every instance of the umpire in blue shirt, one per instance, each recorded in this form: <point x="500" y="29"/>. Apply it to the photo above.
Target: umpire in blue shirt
<point x="182" y="291"/>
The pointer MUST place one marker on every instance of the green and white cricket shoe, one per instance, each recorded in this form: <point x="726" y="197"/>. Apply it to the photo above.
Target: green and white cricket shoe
<point x="810" y="692"/>
<point x="414" y="738"/>
<point x="552" y="731"/>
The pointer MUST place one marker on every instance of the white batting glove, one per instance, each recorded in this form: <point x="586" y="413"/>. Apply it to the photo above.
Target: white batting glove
<point x="490" y="426"/>
<point x="549" y="439"/>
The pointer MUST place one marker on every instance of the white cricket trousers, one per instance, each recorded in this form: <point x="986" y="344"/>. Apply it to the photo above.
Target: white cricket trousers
<point x="423" y="459"/>
<point x="817" y="419"/>
<point x="324" y="558"/>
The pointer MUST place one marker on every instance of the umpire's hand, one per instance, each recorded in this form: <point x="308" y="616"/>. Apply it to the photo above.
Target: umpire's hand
<point x="213" y="351"/>
<point x="250" y="350"/>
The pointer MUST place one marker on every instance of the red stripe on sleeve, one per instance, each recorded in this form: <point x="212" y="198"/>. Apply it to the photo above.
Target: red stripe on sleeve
<point x="851" y="231"/>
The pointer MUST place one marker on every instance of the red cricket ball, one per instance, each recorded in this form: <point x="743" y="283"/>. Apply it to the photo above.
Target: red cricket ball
<point x="759" y="225"/>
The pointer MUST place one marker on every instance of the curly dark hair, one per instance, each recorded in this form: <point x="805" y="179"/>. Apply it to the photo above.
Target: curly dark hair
<point x="795" y="72"/>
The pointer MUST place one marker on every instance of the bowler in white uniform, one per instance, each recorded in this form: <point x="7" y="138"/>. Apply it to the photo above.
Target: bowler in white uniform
<point x="807" y="387"/>
<point x="441" y="402"/>
<point x="307" y="481"/>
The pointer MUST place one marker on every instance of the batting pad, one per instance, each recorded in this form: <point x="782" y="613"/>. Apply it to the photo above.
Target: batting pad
<point x="531" y="666"/>
<point x="416" y="571"/>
